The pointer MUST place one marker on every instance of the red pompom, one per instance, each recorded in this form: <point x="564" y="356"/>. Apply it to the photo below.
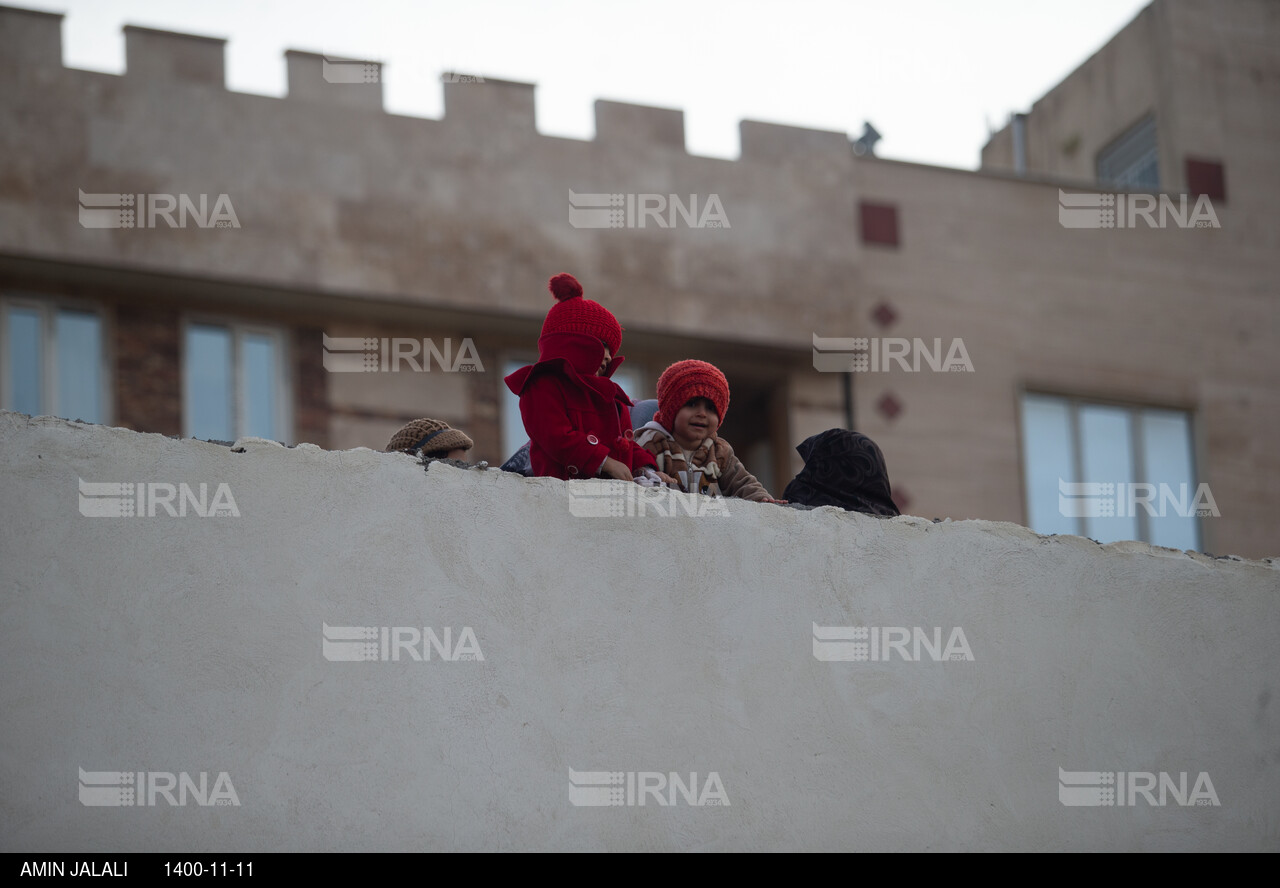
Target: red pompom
<point x="565" y="286"/>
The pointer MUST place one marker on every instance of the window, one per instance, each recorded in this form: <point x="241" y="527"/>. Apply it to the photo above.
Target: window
<point x="1207" y="177"/>
<point x="513" y="434"/>
<point x="879" y="223"/>
<point x="51" y="361"/>
<point x="234" y="383"/>
<point x="1109" y="472"/>
<point x="1132" y="161"/>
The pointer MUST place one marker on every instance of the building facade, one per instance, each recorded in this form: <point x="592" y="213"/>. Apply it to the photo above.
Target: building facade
<point x="1097" y="303"/>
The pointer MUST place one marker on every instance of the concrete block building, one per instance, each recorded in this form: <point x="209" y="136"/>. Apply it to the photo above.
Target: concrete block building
<point x="174" y="256"/>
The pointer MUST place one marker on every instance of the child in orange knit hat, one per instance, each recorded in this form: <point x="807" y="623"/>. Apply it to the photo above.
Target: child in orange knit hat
<point x="693" y="398"/>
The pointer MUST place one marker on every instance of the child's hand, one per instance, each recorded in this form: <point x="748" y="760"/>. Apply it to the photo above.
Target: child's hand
<point x="666" y="479"/>
<point x="777" y="502"/>
<point x="614" y="469"/>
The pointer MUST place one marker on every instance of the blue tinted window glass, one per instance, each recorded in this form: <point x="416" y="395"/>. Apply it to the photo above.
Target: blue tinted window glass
<point x="259" y="385"/>
<point x="1106" y="442"/>
<point x="25" y="347"/>
<point x="209" y="381"/>
<point x="78" y="338"/>
<point x="1166" y="456"/>
<point x="1048" y="457"/>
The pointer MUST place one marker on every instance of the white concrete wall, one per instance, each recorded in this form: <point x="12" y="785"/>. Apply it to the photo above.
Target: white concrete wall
<point x="630" y="644"/>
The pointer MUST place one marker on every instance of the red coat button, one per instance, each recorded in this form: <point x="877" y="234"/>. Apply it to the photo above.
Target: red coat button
<point x="592" y="439"/>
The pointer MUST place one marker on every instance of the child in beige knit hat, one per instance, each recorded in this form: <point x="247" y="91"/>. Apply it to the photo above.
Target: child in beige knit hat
<point x="433" y="437"/>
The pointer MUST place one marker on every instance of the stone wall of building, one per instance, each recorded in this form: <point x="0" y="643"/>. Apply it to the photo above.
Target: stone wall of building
<point x="355" y="220"/>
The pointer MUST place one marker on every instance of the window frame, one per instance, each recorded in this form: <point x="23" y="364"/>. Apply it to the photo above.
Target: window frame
<point x="1150" y="120"/>
<point x="238" y="328"/>
<point x="48" y="307"/>
<point x="1074" y="402"/>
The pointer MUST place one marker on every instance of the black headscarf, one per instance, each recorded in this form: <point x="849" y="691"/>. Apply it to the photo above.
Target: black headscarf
<point x="844" y="469"/>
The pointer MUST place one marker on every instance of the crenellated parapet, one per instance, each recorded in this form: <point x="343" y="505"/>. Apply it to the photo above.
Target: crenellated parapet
<point x="504" y="105"/>
<point x="332" y="192"/>
<point x="352" y="83"/>
<point x="166" y="55"/>
<point x="30" y="42"/>
<point x="620" y="123"/>
<point x="774" y="142"/>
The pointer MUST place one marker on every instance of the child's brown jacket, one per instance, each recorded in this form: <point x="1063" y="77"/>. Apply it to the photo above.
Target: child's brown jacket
<point x="714" y="456"/>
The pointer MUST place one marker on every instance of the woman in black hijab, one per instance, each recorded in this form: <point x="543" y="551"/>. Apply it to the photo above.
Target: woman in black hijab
<point x="844" y="469"/>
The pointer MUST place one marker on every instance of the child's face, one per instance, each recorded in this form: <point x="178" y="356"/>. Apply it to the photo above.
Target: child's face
<point x="604" y="364"/>
<point x="455" y="453"/>
<point x="695" y="422"/>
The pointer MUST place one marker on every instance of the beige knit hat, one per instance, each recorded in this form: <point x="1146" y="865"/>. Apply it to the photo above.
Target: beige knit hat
<point x="430" y="435"/>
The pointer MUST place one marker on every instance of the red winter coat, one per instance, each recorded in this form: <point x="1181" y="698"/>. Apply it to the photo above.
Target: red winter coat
<point x="574" y="418"/>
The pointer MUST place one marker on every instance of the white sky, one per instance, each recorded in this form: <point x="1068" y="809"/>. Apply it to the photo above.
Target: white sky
<point x="929" y="74"/>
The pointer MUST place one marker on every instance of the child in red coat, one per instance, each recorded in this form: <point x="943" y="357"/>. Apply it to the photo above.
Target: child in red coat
<point x="578" y="419"/>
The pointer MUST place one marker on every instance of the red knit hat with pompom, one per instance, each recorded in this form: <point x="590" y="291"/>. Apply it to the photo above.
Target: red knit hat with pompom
<point x="574" y="314"/>
<point x="685" y="380"/>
